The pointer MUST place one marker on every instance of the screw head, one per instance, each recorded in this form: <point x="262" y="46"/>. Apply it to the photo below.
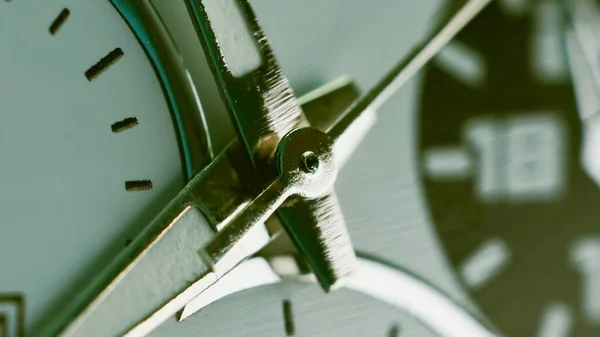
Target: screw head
<point x="310" y="162"/>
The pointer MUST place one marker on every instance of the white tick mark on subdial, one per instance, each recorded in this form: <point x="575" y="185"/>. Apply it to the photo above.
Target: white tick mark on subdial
<point x="448" y="163"/>
<point x="486" y="263"/>
<point x="556" y="321"/>
<point x="462" y="62"/>
<point x="585" y="257"/>
<point x="548" y="60"/>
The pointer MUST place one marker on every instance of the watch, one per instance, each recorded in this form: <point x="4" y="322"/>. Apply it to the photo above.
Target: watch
<point x="134" y="98"/>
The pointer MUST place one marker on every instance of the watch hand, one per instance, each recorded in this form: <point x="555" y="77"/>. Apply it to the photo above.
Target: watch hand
<point x="257" y="94"/>
<point x="324" y="105"/>
<point x="264" y="109"/>
<point x="408" y="67"/>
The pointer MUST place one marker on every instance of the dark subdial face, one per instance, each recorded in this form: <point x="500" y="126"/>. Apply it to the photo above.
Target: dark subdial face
<point x="500" y="155"/>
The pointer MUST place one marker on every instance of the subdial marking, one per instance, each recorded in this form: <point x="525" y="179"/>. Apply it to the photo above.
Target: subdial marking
<point x="12" y="315"/>
<point x="395" y="331"/>
<point x="125" y="124"/>
<point x="485" y="263"/>
<point x="463" y="63"/>
<point x="104" y="63"/>
<point x="288" y="318"/>
<point x="138" y="185"/>
<point x="58" y="22"/>
<point x="556" y="321"/>
<point x="585" y="258"/>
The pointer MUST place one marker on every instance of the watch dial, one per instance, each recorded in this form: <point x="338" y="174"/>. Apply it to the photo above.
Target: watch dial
<point x="298" y="309"/>
<point x="88" y="148"/>
<point x="500" y="157"/>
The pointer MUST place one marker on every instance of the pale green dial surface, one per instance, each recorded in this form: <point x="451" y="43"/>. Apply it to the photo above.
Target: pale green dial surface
<point x="64" y="207"/>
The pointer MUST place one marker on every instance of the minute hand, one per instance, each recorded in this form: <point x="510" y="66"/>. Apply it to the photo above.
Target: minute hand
<point x="257" y="94"/>
<point x="407" y="67"/>
<point x="264" y="109"/>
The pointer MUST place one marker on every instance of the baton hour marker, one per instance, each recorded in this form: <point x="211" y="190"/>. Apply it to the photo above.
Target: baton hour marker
<point x="58" y="22"/>
<point x="288" y="318"/>
<point x="125" y="124"/>
<point x="104" y="63"/>
<point x="138" y="185"/>
<point x="556" y="321"/>
<point x="486" y="263"/>
<point x="394" y="331"/>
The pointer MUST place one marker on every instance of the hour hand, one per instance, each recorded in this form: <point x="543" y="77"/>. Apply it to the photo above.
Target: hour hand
<point x="407" y="67"/>
<point x="264" y="110"/>
<point x="256" y="93"/>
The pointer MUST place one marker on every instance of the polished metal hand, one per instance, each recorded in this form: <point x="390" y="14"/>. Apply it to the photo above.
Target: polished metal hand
<point x="219" y="214"/>
<point x="264" y="109"/>
<point x="306" y="169"/>
<point x="407" y="67"/>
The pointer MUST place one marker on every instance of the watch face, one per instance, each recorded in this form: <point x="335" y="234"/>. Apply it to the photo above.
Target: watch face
<point x="500" y="151"/>
<point x="89" y="151"/>
<point x="477" y="155"/>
